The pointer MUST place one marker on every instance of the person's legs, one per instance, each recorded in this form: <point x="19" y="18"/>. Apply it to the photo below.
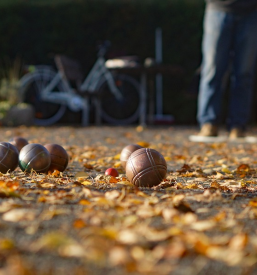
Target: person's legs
<point x="216" y="50"/>
<point x="244" y="62"/>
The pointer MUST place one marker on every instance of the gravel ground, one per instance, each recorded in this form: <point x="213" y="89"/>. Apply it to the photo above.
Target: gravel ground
<point x="205" y="210"/>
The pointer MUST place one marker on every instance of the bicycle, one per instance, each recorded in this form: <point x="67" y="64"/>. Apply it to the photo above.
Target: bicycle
<point x="117" y="97"/>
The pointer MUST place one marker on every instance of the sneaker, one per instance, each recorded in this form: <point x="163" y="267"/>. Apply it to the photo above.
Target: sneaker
<point x="208" y="130"/>
<point x="236" y="132"/>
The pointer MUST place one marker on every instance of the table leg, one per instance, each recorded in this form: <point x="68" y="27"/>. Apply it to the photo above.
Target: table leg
<point x="142" y="114"/>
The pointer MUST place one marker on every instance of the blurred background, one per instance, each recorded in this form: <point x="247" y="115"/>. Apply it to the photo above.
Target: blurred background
<point x="32" y="31"/>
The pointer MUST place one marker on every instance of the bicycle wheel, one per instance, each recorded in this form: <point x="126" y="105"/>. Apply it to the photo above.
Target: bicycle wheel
<point x="32" y="85"/>
<point x="124" y="110"/>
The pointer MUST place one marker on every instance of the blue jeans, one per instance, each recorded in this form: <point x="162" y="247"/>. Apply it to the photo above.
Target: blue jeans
<point x="230" y="41"/>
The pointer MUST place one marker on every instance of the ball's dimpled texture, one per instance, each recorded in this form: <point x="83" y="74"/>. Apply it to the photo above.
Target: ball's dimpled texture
<point x="18" y="142"/>
<point x="9" y="157"/>
<point x="34" y="156"/>
<point x="126" y="152"/>
<point x="112" y="172"/>
<point x="59" y="157"/>
<point x="146" y="167"/>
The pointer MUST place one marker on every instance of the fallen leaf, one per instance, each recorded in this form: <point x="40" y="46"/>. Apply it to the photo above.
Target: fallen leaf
<point x="243" y="169"/>
<point x="203" y="225"/>
<point x="185" y="168"/>
<point x="253" y="203"/>
<point x="183" y="207"/>
<point x="111" y="195"/>
<point x="238" y="242"/>
<point x="79" y="223"/>
<point x="17" y="215"/>
<point x="81" y="175"/>
<point x="143" y="144"/>
<point x="86" y="182"/>
<point x="84" y="202"/>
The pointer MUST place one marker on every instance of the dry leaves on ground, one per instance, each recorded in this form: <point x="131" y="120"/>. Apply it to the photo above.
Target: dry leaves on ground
<point x="200" y="220"/>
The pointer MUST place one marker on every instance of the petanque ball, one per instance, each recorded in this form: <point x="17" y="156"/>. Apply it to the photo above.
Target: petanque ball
<point x="59" y="157"/>
<point x="34" y="156"/>
<point x="9" y="156"/>
<point x="18" y="142"/>
<point x="146" y="168"/>
<point x="126" y="152"/>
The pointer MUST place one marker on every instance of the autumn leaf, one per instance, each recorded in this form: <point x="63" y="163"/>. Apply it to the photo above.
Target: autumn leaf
<point x="215" y="184"/>
<point x="55" y="173"/>
<point x="84" y="202"/>
<point x="184" y="168"/>
<point x="16" y="215"/>
<point x="203" y="225"/>
<point x="143" y="144"/>
<point x="226" y="170"/>
<point x="86" y="182"/>
<point x="117" y="157"/>
<point x="183" y="207"/>
<point x="192" y="186"/>
<point x="253" y="203"/>
<point x="179" y="157"/>
<point x="243" y="169"/>
<point x="88" y="166"/>
<point x="79" y="223"/>
<point x="6" y="244"/>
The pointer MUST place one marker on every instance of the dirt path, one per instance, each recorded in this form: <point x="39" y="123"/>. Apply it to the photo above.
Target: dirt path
<point x="201" y="220"/>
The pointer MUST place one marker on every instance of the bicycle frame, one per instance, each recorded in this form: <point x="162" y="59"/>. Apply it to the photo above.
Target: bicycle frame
<point x="96" y="76"/>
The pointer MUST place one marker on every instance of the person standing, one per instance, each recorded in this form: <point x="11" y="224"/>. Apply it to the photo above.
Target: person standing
<point x="229" y="41"/>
